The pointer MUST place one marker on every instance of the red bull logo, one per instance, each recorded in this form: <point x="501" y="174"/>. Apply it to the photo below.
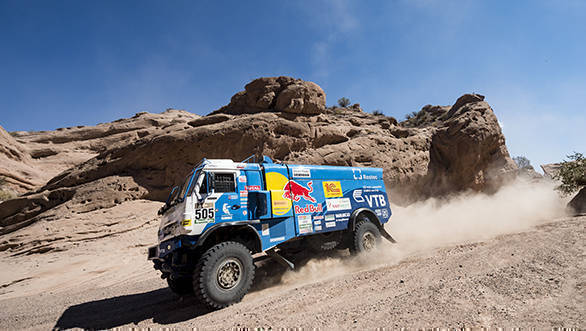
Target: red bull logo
<point x="295" y="191"/>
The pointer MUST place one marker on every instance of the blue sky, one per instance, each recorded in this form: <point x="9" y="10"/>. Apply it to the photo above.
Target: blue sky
<point x="66" y="63"/>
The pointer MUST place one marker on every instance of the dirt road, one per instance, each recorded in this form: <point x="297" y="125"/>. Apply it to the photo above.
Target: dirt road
<point x="531" y="278"/>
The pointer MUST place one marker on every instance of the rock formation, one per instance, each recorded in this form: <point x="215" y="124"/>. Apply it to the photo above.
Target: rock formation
<point x="449" y="149"/>
<point x="550" y="170"/>
<point x="578" y="203"/>
<point x="280" y="94"/>
<point x="29" y="159"/>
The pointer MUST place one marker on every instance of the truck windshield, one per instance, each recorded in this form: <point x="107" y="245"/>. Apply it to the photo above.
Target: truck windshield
<point x="185" y="186"/>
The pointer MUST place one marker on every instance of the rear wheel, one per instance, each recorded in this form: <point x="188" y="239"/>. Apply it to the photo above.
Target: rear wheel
<point x="181" y="286"/>
<point x="366" y="236"/>
<point x="223" y="274"/>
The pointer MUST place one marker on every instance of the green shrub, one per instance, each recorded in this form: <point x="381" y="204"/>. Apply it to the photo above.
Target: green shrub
<point x="343" y="102"/>
<point x="572" y="174"/>
<point x="6" y="195"/>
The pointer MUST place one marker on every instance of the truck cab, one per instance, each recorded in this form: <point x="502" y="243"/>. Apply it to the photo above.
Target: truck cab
<point x="225" y="211"/>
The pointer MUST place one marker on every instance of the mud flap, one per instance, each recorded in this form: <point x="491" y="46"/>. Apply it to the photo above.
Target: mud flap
<point x="387" y="236"/>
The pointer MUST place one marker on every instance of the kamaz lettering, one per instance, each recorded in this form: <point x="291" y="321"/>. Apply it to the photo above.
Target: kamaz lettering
<point x="225" y="211"/>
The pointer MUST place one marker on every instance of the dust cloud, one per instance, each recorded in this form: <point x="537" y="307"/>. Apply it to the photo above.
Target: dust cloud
<point x="434" y="223"/>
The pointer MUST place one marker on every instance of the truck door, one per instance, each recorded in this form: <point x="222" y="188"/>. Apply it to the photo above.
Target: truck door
<point x="248" y="181"/>
<point x="228" y="205"/>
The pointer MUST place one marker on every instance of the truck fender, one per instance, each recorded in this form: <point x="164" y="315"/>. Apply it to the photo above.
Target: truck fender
<point x="234" y="228"/>
<point x="373" y="218"/>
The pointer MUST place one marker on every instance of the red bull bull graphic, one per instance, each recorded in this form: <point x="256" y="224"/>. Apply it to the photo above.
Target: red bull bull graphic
<point x="295" y="191"/>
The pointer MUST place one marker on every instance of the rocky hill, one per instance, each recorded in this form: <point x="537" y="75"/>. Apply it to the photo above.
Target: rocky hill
<point x="84" y="169"/>
<point x="29" y="159"/>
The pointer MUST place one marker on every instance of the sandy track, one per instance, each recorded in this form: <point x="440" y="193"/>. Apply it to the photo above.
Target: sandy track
<point x="532" y="278"/>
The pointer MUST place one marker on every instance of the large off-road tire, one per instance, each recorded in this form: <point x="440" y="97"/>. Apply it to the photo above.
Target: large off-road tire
<point x="366" y="236"/>
<point x="181" y="286"/>
<point x="223" y="275"/>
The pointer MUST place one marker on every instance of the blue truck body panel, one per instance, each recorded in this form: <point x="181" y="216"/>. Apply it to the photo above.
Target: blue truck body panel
<point x="280" y="201"/>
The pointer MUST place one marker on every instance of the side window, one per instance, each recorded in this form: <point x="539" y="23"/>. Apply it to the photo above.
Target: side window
<point x="203" y="189"/>
<point x="223" y="182"/>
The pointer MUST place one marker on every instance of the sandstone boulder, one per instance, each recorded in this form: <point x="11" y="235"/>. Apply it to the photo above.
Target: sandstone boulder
<point x="282" y="94"/>
<point x="578" y="204"/>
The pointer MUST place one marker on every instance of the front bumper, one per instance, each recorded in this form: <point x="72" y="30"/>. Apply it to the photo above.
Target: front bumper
<point x="167" y="247"/>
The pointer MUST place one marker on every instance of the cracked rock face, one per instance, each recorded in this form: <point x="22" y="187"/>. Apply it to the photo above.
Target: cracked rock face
<point x="440" y="151"/>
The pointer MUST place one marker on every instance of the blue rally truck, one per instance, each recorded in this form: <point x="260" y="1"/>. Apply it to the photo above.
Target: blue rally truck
<point x="226" y="211"/>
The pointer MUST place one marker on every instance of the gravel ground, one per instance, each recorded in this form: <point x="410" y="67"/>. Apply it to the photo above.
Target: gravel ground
<point x="534" y="278"/>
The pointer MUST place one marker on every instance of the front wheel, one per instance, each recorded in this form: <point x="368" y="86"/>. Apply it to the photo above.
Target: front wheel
<point x="223" y="274"/>
<point x="366" y="236"/>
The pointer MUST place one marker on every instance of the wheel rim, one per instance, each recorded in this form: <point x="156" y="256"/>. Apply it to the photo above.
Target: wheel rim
<point x="368" y="241"/>
<point x="229" y="274"/>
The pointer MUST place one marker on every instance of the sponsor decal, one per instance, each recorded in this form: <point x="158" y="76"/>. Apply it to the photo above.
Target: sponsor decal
<point x="357" y="195"/>
<point x="318" y="217"/>
<point x="342" y="215"/>
<point x="338" y="204"/>
<point x="244" y="212"/>
<point x="232" y="197"/>
<point x="332" y="189"/>
<point x="330" y="224"/>
<point x="275" y="183"/>
<point x="295" y="191"/>
<point x="342" y="220"/>
<point x="244" y="193"/>
<point x="301" y="172"/>
<point x="242" y="179"/>
<point x="318" y="228"/>
<point x="280" y="204"/>
<point x="241" y="165"/>
<point x="317" y="222"/>
<point x="384" y="213"/>
<point x="376" y="200"/>
<point x="265" y="230"/>
<point x="357" y="173"/>
<point x="330" y="217"/>
<point x="186" y="223"/>
<point x="308" y="209"/>
<point x="252" y="187"/>
<point x="277" y="239"/>
<point x="226" y="209"/>
<point x="304" y="224"/>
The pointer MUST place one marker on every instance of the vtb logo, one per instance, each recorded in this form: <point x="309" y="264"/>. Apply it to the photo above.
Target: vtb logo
<point x="296" y="191"/>
<point x="332" y="189"/>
